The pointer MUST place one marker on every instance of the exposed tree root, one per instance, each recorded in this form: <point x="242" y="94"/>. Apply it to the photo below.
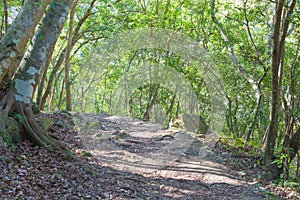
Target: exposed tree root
<point x="33" y="130"/>
<point x="37" y="135"/>
<point x="166" y="136"/>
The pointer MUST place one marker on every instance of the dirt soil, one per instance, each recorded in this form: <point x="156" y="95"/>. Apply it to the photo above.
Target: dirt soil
<point x="121" y="158"/>
<point x="171" y="165"/>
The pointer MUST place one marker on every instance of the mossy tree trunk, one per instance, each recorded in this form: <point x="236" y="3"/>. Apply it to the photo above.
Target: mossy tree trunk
<point x="27" y="77"/>
<point x="19" y="33"/>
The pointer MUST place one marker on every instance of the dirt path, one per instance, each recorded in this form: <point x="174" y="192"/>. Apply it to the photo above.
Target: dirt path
<point x="176" y="163"/>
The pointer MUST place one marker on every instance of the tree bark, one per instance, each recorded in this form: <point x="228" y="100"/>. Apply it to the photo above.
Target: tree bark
<point x="48" y="89"/>
<point x="26" y="78"/>
<point x="41" y="98"/>
<point x="153" y="92"/>
<point x="19" y="33"/>
<point x="281" y="24"/>
<point x="4" y="23"/>
<point x="43" y="77"/>
<point x="67" y="59"/>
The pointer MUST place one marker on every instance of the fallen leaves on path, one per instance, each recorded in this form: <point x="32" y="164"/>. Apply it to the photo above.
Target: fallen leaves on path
<point x="30" y="172"/>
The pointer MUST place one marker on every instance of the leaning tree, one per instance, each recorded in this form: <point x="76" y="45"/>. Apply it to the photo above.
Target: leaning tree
<point x="21" y="64"/>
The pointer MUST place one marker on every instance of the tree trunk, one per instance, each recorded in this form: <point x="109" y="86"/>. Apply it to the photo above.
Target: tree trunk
<point x="289" y="108"/>
<point x="43" y="77"/>
<point x="151" y="101"/>
<point x="48" y="89"/>
<point x="281" y="24"/>
<point x="67" y="59"/>
<point x="170" y="108"/>
<point x="41" y="98"/>
<point x="26" y="78"/>
<point x="4" y="23"/>
<point x="19" y="33"/>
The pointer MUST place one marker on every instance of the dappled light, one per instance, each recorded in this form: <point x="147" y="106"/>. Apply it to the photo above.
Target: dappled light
<point x="144" y="99"/>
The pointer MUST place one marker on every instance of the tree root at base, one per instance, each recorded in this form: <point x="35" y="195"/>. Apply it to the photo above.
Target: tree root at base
<point x="36" y="134"/>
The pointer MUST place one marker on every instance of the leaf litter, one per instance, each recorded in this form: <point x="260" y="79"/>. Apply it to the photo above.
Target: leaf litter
<point x="121" y="158"/>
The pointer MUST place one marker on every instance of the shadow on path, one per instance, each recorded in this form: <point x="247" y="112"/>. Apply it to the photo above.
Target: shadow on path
<point x="171" y="168"/>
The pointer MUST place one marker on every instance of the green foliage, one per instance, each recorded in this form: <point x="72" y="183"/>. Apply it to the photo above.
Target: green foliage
<point x="6" y="140"/>
<point x="248" y="29"/>
<point x="19" y="117"/>
<point x="87" y="154"/>
<point x="284" y="155"/>
<point x="293" y="184"/>
<point x="239" y="142"/>
<point x="270" y="195"/>
<point x="240" y="146"/>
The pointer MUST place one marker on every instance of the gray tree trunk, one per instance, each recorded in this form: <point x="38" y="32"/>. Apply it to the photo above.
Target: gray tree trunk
<point x="26" y="78"/>
<point x="19" y="33"/>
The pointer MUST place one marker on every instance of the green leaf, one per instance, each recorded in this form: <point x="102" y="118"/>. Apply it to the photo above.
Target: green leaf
<point x="20" y="118"/>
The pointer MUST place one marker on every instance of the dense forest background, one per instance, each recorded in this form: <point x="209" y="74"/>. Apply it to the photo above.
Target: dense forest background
<point x="253" y="44"/>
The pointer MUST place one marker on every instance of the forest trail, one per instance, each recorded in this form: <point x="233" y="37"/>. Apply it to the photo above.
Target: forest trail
<point x="179" y="165"/>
